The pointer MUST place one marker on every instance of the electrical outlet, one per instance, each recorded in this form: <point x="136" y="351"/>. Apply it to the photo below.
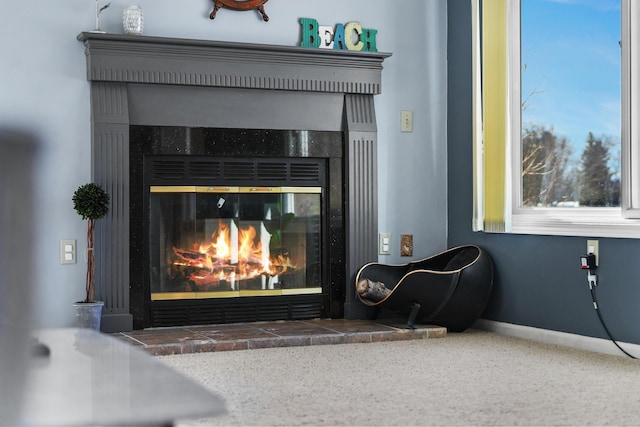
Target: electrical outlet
<point x="68" y="252"/>
<point x="384" y="246"/>
<point x="592" y="248"/>
<point x="406" y="121"/>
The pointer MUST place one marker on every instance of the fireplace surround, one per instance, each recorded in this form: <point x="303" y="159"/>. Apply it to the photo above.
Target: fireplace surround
<point x="141" y="82"/>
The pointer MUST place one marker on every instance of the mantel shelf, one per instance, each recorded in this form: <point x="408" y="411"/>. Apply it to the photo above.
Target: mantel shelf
<point x="160" y="60"/>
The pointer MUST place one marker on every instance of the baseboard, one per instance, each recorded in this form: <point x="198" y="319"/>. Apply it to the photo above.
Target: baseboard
<point x="598" y="345"/>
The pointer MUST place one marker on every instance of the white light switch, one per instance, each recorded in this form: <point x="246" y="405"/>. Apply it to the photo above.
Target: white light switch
<point x="406" y="121"/>
<point x="68" y="252"/>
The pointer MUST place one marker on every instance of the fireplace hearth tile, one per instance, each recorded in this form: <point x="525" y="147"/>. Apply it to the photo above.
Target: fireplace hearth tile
<point x="436" y="332"/>
<point x="328" y="339"/>
<point x="164" y="349"/>
<point x="394" y="336"/>
<point x="259" y="335"/>
<point x="297" y="328"/>
<point x="231" y="345"/>
<point x="283" y="341"/>
<point x="357" y="326"/>
<point x="198" y="346"/>
<point x="359" y="338"/>
<point x="236" y="334"/>
<point x="220" y="327"/>
<point x="165" y="336"/>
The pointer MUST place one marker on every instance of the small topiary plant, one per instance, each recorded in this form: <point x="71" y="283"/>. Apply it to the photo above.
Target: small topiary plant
<point x="91" y="202"/>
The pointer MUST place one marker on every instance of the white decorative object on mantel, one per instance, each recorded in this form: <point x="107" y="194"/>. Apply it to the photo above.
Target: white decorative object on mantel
<point x="98" y="12"/>
<point x="132" y="20"/>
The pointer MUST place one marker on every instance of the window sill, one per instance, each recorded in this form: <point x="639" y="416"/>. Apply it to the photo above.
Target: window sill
<point x="586" y="222"/>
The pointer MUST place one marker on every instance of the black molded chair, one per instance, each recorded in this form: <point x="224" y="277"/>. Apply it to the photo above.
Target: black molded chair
<point x="450" y="289"/>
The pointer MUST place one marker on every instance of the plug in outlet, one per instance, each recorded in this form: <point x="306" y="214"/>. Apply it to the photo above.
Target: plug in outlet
<point x="68" y="252"/>
<point x="592" y="248"/>
<point x="384" y="244"/>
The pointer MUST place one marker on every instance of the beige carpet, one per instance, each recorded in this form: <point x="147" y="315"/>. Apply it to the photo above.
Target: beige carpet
<point x="472" y="378"/>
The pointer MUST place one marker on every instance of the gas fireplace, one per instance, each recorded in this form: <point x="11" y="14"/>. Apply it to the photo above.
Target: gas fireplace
<point x="256" y="244"/>
<point x="236" y="226"/>
<point x="243" y="179"/>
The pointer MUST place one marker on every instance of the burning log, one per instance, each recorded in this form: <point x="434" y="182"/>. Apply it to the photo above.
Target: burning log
<point x="217" y="262"/>
<point x="210" y="263"/>
<point x="192" y="276"/>
<point x="193" y="258"/>
<point x="190" y="256"/>
<point x="185" y="271"/>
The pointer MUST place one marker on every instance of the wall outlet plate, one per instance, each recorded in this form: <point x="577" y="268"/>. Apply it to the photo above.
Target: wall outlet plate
<point x="68" y="253"/>
<point x="593" y="248"/>
<point x="406" y="121"/>
<point x="384" y="244"/>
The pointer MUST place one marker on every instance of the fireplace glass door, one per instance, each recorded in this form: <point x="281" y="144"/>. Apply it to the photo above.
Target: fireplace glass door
<point x="226" y="242"/>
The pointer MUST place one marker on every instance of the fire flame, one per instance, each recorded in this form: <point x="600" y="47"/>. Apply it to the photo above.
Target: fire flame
<point x="224" y="258"/>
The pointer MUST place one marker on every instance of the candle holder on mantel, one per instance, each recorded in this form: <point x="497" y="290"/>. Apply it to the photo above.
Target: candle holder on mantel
<point x="98" y="12"/>
<point x="133" y="20"/>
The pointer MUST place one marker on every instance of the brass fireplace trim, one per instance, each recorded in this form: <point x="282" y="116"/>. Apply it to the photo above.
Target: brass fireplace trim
<point x="170" y="296"/>
<point x="224" y="189"/>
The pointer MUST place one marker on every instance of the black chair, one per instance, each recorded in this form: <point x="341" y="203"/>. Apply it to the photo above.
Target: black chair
<point x="450" y="289"/>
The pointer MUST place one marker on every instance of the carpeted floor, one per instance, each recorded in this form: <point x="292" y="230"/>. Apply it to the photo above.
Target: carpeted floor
<point x="472" y="378"/>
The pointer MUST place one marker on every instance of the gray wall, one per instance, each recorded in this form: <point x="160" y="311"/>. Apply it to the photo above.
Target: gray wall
<point x="43" y="88"/>
<point x="538" y="279"/>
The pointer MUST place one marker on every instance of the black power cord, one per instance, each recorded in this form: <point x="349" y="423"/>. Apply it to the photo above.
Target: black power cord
<point x="593" y="281"/>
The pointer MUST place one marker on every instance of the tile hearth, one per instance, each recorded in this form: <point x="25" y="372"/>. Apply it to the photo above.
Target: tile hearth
<point x="247" y="336"/>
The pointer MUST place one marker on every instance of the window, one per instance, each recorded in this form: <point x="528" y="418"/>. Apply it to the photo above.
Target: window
<point x="557" y="126"/>
<point x="570" y="65"/>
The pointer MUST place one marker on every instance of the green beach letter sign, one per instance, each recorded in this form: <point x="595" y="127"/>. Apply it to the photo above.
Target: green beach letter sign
<point x="350" y="36"/>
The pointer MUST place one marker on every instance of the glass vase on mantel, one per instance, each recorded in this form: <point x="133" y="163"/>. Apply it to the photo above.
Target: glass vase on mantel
<point x="132" y="20"/>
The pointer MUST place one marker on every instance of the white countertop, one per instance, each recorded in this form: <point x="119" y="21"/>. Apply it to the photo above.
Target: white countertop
<point x="95" y="379"/>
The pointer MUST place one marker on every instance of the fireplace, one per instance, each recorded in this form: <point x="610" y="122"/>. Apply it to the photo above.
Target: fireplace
<point x="242" y="179"/>
<point x="238" y="237"/>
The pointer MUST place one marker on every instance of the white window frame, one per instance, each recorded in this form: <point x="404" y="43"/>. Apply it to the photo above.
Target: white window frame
<point x="584" y="221"/>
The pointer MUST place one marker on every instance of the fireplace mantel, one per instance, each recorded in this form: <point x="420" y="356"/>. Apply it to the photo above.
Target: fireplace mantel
<point x="155" y="81"/>
<point x="160" y="60"/>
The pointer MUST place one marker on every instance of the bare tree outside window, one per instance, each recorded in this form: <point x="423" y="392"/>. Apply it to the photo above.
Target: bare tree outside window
<point x="545" y="158"/>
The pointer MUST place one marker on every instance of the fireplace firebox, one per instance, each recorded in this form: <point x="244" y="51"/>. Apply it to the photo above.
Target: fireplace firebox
<point x="240" y="225"/>
<point x="224" y="242"/>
